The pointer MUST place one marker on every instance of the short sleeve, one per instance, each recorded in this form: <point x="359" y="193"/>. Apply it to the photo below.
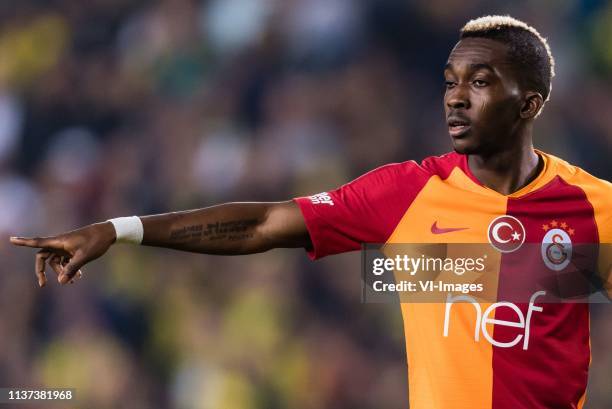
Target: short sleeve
<point x="365" y="210"/>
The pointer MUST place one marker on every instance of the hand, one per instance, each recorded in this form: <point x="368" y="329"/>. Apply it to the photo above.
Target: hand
<point x="68" y="252"/>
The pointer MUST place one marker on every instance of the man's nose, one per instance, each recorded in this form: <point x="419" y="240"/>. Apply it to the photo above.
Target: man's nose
<point x="458" y="97"/>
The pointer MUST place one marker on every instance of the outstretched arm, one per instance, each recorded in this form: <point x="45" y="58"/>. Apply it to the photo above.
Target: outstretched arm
<point x="230" y="229"/>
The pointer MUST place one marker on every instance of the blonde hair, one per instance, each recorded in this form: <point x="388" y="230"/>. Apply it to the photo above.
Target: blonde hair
<point x="526" y="44"/>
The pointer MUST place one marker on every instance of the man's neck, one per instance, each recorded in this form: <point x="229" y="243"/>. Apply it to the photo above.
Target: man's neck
<point x="507" y="171"/>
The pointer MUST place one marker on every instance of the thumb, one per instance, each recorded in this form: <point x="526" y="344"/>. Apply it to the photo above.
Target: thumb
<point x="73" y="266"/>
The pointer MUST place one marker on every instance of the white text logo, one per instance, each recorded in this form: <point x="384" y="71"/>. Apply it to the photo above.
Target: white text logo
<point x="321" y="198"/>
<point x="483" y="319"/>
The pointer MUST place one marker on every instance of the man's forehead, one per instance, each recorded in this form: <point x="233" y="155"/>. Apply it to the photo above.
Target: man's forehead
<point x="474" y="51"/>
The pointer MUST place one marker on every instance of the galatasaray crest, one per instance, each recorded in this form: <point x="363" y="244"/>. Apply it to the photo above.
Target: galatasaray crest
<point x="557" y="245"/>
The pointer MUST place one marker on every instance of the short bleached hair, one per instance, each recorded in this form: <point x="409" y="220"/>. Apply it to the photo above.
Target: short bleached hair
<point x="526" y="48"/>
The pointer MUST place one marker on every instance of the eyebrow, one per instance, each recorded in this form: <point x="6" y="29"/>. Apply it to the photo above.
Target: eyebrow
<point x="473" y="67"/>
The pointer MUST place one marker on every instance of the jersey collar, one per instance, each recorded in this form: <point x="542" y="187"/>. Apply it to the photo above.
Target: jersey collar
<point x="545" y="176"/>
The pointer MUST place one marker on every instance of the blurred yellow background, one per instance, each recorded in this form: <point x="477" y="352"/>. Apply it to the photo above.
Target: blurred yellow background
<point x="118" y="107"/>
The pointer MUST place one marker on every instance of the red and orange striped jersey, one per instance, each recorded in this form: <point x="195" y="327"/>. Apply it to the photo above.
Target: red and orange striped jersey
<point x="440" y="201"/>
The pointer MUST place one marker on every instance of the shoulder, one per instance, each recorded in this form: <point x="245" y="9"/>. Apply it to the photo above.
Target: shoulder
<point x="598" y="193"/>
<point x="433" y="165"/>
<point x="410" y="173"/>
<point x="577" y="176"/>
<point x="443" y="165"/>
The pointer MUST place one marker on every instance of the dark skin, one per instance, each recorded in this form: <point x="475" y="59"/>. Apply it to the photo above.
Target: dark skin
<point x="228" y="229"/>
<point x="483" y="90"/>
<point x="492" y="121"/>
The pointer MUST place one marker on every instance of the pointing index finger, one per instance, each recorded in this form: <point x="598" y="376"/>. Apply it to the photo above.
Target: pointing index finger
<point x="38" y="242"/>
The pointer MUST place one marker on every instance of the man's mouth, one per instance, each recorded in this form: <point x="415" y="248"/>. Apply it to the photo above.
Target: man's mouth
<point x="458" y="126"/>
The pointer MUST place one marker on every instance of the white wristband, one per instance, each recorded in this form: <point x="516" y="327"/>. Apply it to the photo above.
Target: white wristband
<point x="128" y="229"/>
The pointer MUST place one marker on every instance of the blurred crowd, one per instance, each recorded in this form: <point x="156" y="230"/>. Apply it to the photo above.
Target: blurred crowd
<point x="118" y="107"/>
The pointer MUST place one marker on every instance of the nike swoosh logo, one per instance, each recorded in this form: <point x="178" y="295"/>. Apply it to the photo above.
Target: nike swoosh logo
<point x="439" y="230"/>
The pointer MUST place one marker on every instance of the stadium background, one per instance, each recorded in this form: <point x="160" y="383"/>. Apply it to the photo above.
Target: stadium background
<point x="120" y="107"/>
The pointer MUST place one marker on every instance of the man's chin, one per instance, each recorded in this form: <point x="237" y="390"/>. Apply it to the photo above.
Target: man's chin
<point x="464" y="147"/>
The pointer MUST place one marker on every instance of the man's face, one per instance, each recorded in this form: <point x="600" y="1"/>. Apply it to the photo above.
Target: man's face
<point x="483" y="98"/>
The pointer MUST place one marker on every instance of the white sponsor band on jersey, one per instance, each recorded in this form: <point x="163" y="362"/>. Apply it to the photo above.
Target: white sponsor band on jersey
<point x="482" y="319"/>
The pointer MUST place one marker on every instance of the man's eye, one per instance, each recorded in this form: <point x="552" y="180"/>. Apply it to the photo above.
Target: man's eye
<point x="480" y="83"/>
<point x="449" y="84"/>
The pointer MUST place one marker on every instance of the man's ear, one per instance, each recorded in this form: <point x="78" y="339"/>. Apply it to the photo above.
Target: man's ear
<point x="532" y="104"/>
